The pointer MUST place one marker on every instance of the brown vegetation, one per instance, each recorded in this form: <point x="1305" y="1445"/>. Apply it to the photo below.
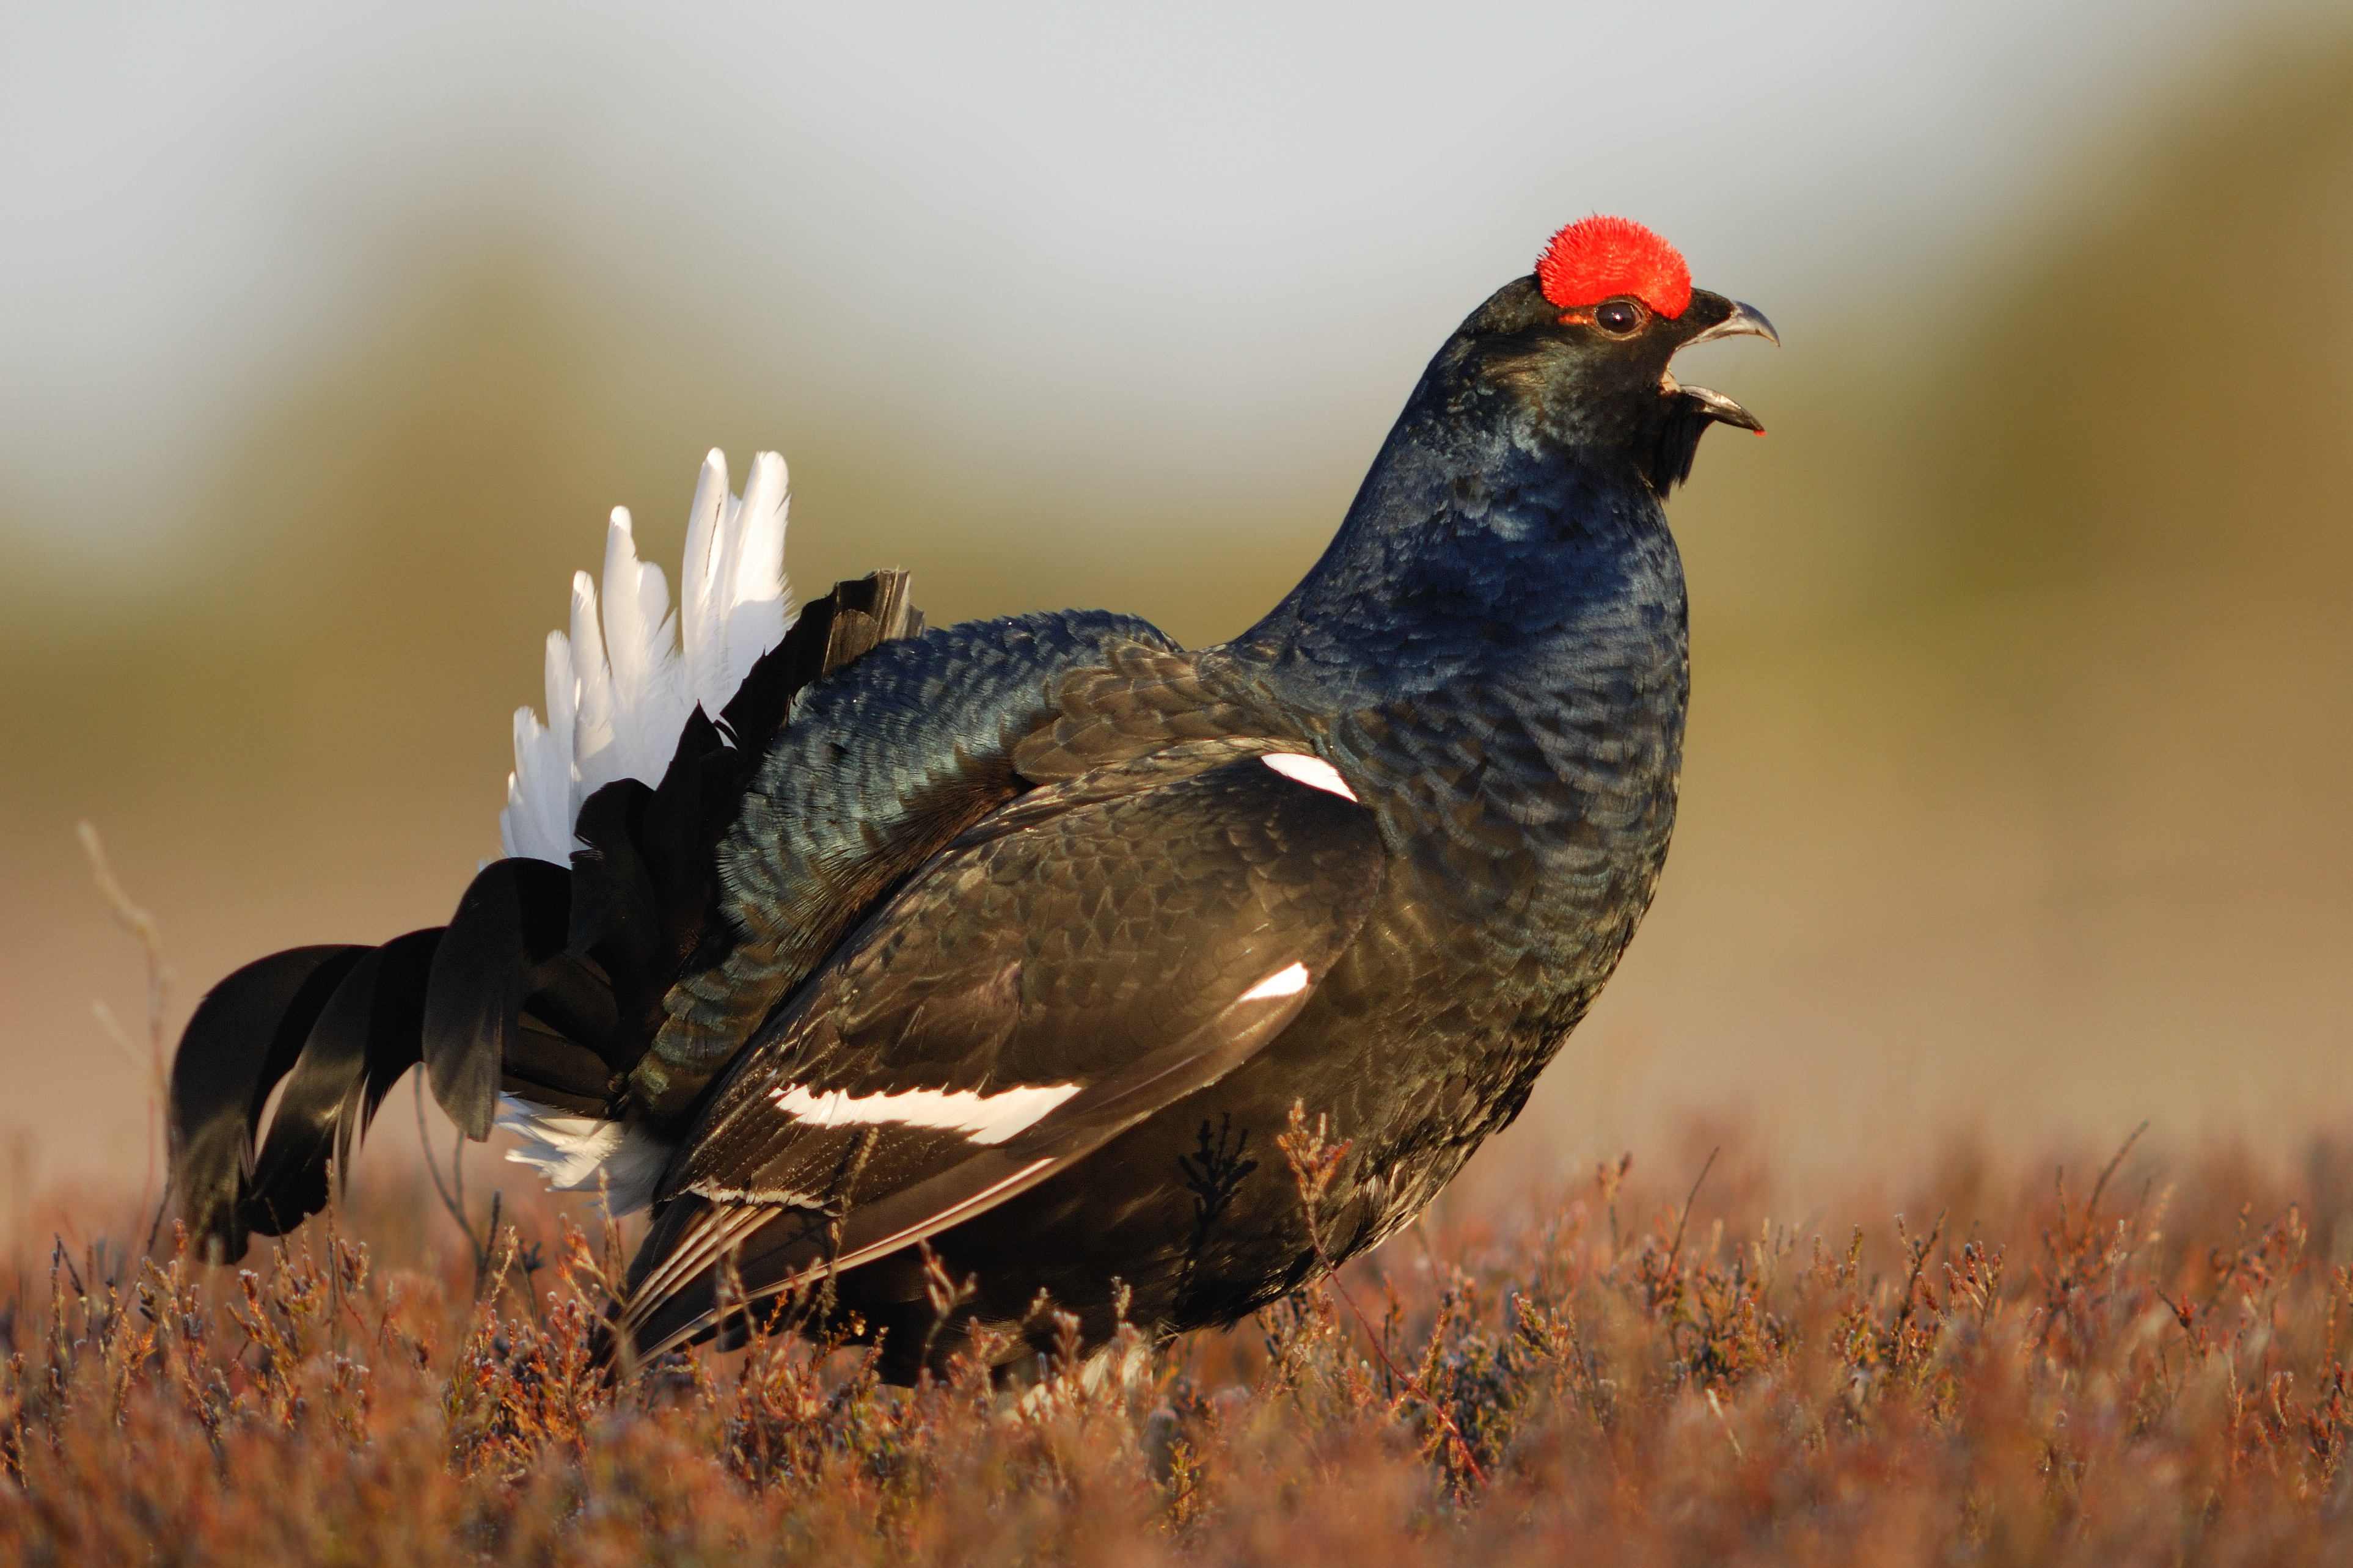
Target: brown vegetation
<point x="2144" y="1364"/>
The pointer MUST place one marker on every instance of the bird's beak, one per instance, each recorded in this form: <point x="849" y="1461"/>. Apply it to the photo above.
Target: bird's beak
<point x="1739" y="320"/>
<point x="1720" y="408"/>
<point x="1745" y="320"/>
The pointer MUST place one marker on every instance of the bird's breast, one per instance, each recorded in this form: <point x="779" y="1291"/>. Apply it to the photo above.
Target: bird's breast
<point x="1527" y="814"/>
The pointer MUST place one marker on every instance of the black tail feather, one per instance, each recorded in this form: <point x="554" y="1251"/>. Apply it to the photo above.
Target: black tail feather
<point x="289" y="1180"/>
<point x="513" y="921"/>
<point x="396" y="1027"/>
<point x="337" y="1026"/>
<point x="246" y="1035"/>
<point x="547" y="982"/>
<point x="363" y="1040"/>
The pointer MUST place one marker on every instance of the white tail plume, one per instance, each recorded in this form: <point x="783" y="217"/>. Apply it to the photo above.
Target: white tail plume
<point x="619" y="689"/>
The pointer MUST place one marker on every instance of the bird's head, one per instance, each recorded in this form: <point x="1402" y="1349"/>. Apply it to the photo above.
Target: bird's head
<point x="1583" y="345"/>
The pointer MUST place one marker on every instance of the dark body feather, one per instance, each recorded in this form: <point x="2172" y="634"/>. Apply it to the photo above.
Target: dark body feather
<point x="1021" y="939"/>
<point x="1493" y="655"/>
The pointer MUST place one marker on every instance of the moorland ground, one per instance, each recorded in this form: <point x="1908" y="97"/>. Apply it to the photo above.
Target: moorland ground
<point x="2132" y="1360"/>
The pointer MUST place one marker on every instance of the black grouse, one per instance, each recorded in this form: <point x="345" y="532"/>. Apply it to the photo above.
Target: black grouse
<point x="1021" y="939"/>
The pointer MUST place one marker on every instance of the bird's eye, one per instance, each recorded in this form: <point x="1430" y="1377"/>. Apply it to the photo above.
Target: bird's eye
<point x="1618" y="317"/>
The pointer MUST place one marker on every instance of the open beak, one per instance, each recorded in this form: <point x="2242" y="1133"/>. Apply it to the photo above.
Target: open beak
<point x="1720" y="408"/>
<point x="1744" y="321"/>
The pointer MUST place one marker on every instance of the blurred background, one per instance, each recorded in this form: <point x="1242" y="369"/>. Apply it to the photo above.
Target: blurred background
<point x="2021" y="752"/>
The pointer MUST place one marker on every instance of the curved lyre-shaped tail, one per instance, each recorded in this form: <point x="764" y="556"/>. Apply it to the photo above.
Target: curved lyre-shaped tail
<point x="531" y="1005"/>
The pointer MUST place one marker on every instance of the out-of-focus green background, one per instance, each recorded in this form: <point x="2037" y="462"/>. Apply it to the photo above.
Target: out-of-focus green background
<point x="2020" y="790"/>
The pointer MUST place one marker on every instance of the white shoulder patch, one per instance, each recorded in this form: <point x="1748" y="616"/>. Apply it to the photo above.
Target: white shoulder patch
<point x="984" y="1117"/>
<point x="1288" y="981"/>
<point x="1312" y="771"/>
<point x="570" y="1150"/>
<point x="620" y="687"/>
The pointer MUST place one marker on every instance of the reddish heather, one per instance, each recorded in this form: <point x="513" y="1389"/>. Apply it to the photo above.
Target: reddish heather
<point x="2141" y="1365"/>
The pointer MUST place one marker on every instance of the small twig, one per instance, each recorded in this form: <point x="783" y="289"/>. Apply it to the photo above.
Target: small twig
<point x="481" y="1263"/>
<point x="458" y="1172"/>
<point x="1919" y="1262"/>
<point x="141" y="924"/>
<point x="1313" y="1164"/>
<point x="1676" y="1251"/>
<point x="2101" y="1184"/>
<point x="1717" y="1405"/>
<point x="945" y="1296"/>
<point x="843" y="1194"/>
<point x="156" y="1229"/>
<point x="120" y="1038"/>
<point x="455" y="1205"/>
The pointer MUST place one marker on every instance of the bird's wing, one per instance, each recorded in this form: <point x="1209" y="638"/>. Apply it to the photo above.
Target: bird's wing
<point x="1081" y="959"/>
<point x="876" y="770"/>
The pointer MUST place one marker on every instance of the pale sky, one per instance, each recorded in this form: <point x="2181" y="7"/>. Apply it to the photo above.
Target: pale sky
<point x="1179" y="236"/>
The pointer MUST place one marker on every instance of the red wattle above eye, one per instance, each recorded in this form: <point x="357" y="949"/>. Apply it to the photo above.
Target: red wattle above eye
<point x="1596" y="257"/>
